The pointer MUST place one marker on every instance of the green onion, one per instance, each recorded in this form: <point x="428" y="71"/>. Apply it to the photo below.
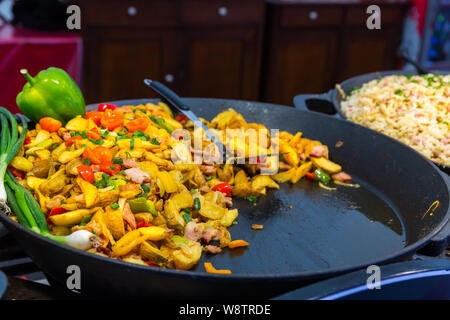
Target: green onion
<point x="207" y="178"/>
<point x="53" y="146"/>
<point x="252" y="198"/>
<point x="115" y="206"/>
<point x="132" y="144"/>
<point x="155" y="142"/>
<point x="187" y="217"/>
<point x="117" y="160"/>
<point x="197" y="204"/>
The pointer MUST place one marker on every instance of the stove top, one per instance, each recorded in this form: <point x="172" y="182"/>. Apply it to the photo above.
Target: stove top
<point x="27" y="282"/>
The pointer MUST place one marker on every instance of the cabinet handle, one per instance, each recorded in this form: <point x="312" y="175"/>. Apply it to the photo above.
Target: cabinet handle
<point x="132" y="11"/>
<point x="313" y="15"/>
<point x="223" y="11"/>
<point x="169" y="78"/>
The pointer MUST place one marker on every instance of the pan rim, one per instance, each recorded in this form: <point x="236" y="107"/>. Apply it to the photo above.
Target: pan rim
<point x="288" y="276"/>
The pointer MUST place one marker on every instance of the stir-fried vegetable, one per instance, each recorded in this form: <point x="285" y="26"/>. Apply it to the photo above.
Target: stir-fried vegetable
<point x="115" y="183"/>
<point x="20" y="199"/>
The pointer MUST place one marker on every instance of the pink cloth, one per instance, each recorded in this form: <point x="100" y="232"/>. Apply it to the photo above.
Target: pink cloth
<point x="35" y="51"/>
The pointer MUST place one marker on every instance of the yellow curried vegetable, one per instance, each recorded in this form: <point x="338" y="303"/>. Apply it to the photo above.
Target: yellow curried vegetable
<point x="133" y="191"/>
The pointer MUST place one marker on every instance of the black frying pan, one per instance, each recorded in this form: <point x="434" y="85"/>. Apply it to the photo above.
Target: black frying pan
<point x="330" y="102"/>
<point x="324" y="233"/>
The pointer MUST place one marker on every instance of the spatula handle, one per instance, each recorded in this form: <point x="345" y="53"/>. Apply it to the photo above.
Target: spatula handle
<point x="167" y="94"/>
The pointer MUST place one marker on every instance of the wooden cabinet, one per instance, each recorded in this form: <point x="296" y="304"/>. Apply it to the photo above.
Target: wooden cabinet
<point x="197" y="47"/>
<point x="311" y="47"/>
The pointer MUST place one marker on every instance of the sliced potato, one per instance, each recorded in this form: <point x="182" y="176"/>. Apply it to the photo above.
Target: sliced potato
<point x="284" y="175"/>
<point x="186" y="257"/>
<point x="327" y="165"/>
<point x="301" y="171"/>
<point x="70" y="218"/>
<point x="229" y="217"/>
<point x="114" y="222"/>
<point x="90" y="192"/>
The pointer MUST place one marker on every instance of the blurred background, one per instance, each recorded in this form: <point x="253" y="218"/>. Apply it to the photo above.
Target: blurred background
<point x="264" y="50"/>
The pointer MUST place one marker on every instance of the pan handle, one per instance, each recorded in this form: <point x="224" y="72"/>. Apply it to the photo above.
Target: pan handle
<point x="441" y="240"/>
<point x="322" y="103"/>
<point x="438" y="243"/>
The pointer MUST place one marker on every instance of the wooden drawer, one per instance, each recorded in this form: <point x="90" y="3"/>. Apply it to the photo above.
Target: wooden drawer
<point x="129" y="12"/>
<point x="299" y="16"/>
<point x="221" y="12"/>
<point x="390" y="15"/>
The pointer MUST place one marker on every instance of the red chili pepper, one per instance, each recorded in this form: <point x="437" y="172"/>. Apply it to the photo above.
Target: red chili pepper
<point x="105" y="106"/>
<point x="27" y="141"/>
<point x="180" y="117"/>
<point x="310" y="176"/>
<point x="54" y="212"/>
<point x="109" y="168"/>
<point x="16" y="173"/>
<point x="223" y="187"/>
<point x="86" y="173"/>
<point x="72" y="140"/>
<point x="143" y="224"/>
<point x="151" y="264"/>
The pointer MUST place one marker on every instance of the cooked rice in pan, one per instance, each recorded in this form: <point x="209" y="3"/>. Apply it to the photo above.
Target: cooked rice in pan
<point x="411" y="109"/>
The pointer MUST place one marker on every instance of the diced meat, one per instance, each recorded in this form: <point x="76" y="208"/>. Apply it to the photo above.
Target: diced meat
<point x="193" y="231"/>
<point x="204" y="189"/>
<point x="210" y="234"/>
<point x="213" y="249"/>
<point x="128" y="163"/>
<point x="303" y="156"/>
<point x="137" y="175"/>
<point x="416" y="139"/>
<point x="209" y="170"/>
<point x="66" y="136"/>
<point x="127" y="215"/>
<point x="284" y="166"/>
<point x="95" y="167"/>
<point x="228" y="201"/>
<point x="445" y="141"/>
<point x="342" y="176"/>
<point x="318" y="151"/>
<point x="55" y="202"/>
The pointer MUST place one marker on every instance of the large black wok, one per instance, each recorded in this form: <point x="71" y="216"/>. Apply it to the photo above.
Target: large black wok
<point x="324" y="233"/>
<point x="330" y="102"/>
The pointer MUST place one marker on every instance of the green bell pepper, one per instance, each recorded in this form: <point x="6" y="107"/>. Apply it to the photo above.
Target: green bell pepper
<point x="322" y="176"/>
<point x="52" y="93"/>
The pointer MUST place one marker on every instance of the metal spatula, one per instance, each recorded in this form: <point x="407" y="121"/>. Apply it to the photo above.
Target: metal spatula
<point x="174" y="100"/>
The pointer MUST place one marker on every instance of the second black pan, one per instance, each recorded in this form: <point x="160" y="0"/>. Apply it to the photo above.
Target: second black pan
<point x="309" y="233"/>
<point x="330" y="102"/>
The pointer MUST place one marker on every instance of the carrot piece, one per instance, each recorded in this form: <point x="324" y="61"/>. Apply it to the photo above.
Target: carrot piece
<point x="49" y="124"/>
<point x="237" y="244"/>
<point x="210" y="269"/>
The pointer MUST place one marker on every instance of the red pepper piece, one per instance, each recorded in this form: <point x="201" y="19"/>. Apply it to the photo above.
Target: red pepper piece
<point x="143" y="224"/>
<point x="55" y="212"/>
<point x="16" y="173"/>
<point x="310" y="176"/>
<point x="86" y="173"/>
<point x="106" y="106"/>
<point x="223" y="187"/>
